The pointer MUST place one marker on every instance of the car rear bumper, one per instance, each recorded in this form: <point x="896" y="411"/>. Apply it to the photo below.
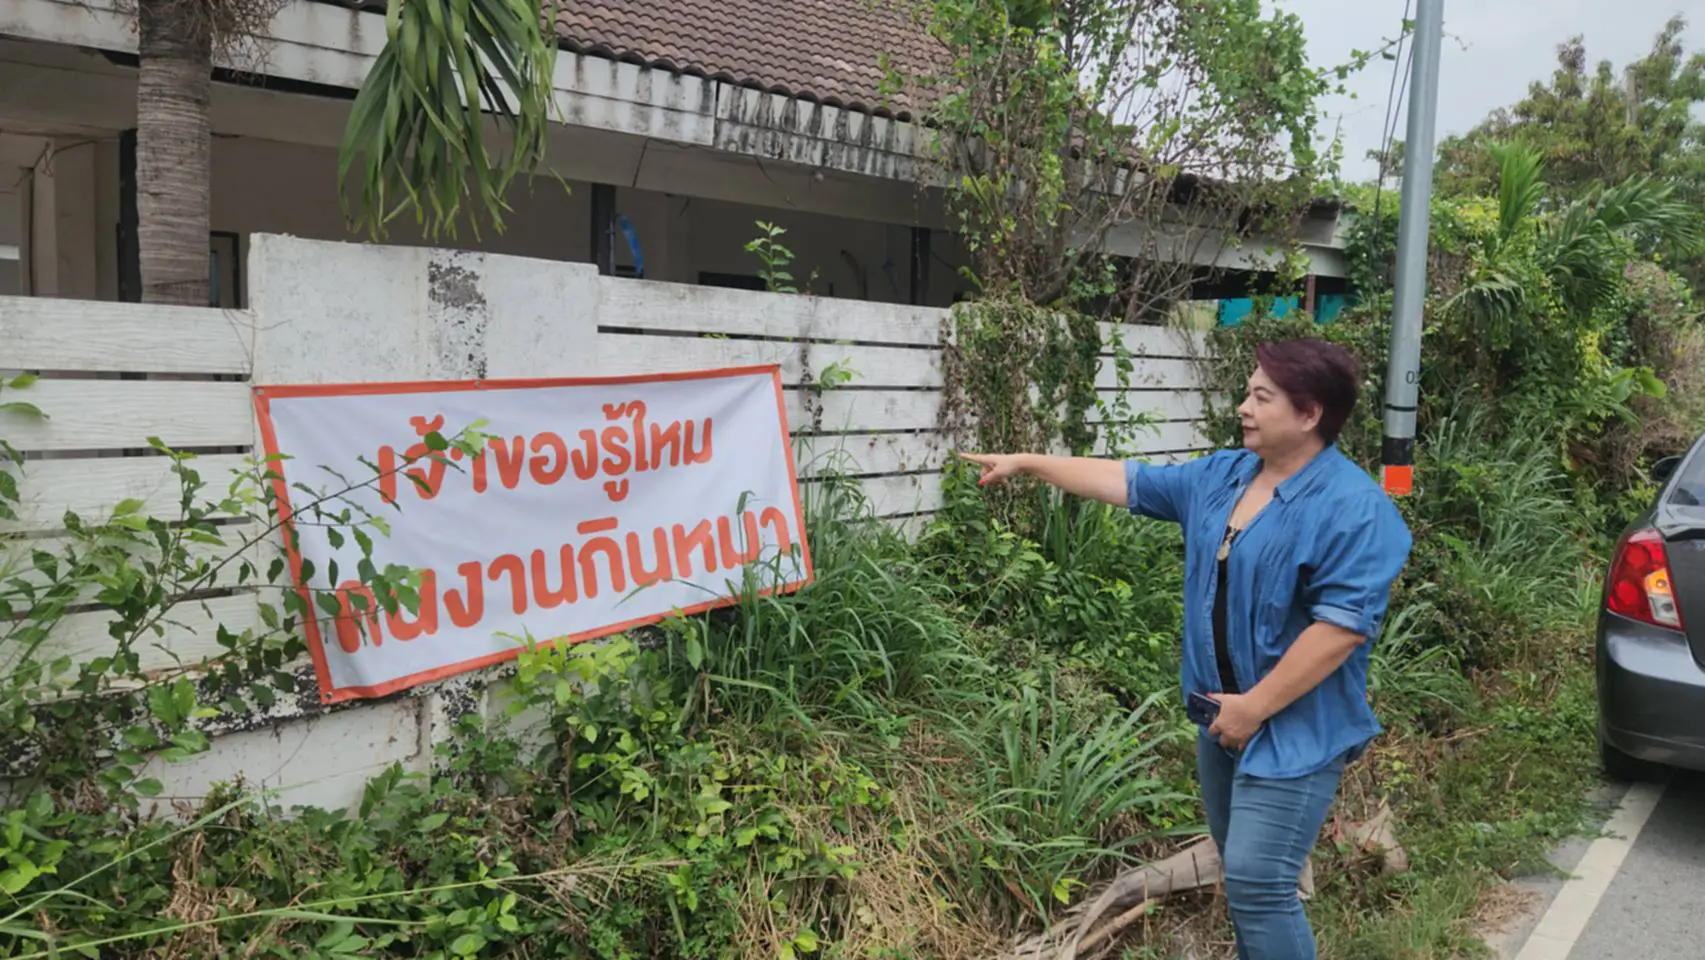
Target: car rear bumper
<point x="1651" y="694"/>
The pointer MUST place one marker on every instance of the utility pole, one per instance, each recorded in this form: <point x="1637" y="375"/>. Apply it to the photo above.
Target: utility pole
<point x="1403" y="375"/>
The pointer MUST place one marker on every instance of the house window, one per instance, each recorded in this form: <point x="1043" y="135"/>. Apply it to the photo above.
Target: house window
<point x="225" y="270"/>
<point x="734" y="281"/>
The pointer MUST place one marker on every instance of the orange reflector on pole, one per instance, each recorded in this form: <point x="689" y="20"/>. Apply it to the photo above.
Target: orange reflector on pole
<point x="1398" y="481"/>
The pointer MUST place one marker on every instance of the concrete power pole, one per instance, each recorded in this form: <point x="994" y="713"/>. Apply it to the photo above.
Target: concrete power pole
<point x="1403" y="375"/>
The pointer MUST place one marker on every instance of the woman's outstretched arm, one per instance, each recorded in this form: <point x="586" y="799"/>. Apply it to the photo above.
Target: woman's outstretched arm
<point x="1090" y="477"/>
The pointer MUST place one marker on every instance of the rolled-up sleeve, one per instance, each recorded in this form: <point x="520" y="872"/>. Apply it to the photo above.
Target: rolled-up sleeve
<point x="1162" y="491"/>
<point x="1360" y="549"/>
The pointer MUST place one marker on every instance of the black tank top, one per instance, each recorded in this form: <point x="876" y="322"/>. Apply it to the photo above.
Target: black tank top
<point x="1222" y="653"/>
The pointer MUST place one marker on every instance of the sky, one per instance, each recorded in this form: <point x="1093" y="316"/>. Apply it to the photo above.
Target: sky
<point x="1493" y="49"/>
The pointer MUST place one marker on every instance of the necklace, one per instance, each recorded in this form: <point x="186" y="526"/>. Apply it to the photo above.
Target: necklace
<point x="1231" y="532"/>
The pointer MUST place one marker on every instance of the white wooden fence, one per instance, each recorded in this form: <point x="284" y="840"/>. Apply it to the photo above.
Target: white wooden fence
<point x="114" y="375"/>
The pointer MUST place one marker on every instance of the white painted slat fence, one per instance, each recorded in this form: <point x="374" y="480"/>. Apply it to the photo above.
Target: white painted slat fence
<point x="879" y="426"/>
<point x="100" y="414"/>
<point x="115" y="374"/>
<point x="91" y="416"/>
<point x="123" y="337"/>
<point x="673" y="307"/>
<point x="93" y="487"/>
<point x="884" y="366"/>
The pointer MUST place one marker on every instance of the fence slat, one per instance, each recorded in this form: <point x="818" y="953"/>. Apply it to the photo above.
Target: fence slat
<point x="1161" y="404"/>
<point x="648" y="305"/>
<point x="50" y="334"/>
<point x="104" y="414"/>
<point x="1149" y="374"/>
<point x="92" y="488"/>
<point x="192" y="636"/>
<point x="863" y="455"/>
<point x="622" y="353"/>
<point x="1151" y="341"/>
<point x="15" y="557"/>
<point x="1163" y="438"/>
<point x="861" y="411"/>
<point x="891" y="496"/>
<point x="871" y="366"/>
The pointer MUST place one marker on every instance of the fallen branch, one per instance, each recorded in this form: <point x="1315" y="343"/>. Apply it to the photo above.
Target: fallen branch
<point x="1136" y="892"/>
<point x="1194" y="867"/>
<point x="1119" y="923"/>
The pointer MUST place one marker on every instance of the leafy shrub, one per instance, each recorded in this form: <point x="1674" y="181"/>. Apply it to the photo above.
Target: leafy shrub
<point x="1100" y="586"/>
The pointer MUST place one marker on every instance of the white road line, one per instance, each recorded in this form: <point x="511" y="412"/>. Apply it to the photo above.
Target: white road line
<point x="1564" y="922"/>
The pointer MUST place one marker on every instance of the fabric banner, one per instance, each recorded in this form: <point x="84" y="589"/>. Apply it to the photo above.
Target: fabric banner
<point x="596" y="506"/>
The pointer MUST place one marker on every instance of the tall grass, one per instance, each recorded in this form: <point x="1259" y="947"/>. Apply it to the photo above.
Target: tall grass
<point x="871" y="635"/>
<point x="959" y="669"/>
<point x="1061" y="783"/>
<point x="1503" y="535"/>
<point x="1412" y="677"/>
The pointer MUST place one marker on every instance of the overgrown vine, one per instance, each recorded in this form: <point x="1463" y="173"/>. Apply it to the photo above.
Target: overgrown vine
<point x="1103" y="157"/>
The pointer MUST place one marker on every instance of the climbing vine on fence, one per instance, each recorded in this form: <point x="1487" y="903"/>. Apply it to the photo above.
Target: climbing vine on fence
<point x="1019" y="377"/>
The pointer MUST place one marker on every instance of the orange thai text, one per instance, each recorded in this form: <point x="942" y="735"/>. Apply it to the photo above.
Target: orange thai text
<point x="624" y="445"/>
<point x="602" y="561"/>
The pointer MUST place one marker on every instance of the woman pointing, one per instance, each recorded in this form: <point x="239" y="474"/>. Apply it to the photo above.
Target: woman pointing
<point x="1290" y="550"/>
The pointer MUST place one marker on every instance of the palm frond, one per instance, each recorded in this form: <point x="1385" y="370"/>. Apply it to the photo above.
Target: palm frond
<point x="1648" y="212"/>
<point x="1492" y="297"/>
<point x="416" y="137"/>
<point x="1590" y="242"/>
<point x="1519" y="186"/>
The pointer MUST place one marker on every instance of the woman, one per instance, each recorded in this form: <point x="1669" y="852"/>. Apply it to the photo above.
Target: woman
<point x="1290" y="551"/>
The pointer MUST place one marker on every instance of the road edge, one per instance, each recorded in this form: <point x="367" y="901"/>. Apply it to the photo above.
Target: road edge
<point x="1566" y="916"/>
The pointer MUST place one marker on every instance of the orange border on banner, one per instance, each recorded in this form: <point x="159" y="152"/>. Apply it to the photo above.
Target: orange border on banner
<point x="263" y="396"/>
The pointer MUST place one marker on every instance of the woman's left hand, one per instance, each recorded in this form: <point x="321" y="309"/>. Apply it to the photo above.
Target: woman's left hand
<point x="1238" y="720"/>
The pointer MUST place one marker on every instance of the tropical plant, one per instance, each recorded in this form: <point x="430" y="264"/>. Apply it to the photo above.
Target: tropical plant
<point x="176" y="43"/>
<point x="416" y="134"/>
<point x="1600" y="125"/>
<point x="416" y="140"/>
<point x="1592" y="240"/>
<point x="1498" y="293"/>
<point x="1584" y="247"/>
<point x="1538" y="298"/>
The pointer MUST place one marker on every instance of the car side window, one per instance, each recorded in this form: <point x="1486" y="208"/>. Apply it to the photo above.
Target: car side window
<point x="1688" y="490"/>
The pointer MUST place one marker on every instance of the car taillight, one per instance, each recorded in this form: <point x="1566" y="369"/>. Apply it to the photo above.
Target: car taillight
<point x="1640" y="586"/>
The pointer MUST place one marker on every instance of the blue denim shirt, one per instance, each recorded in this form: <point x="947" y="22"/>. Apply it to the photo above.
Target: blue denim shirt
<point x="1326" y="549"/>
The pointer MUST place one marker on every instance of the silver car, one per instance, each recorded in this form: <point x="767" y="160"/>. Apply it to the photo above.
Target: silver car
<point x="1651" y="632"/>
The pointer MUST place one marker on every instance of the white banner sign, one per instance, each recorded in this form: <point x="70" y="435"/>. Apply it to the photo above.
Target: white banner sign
<point x="597" y="506"/>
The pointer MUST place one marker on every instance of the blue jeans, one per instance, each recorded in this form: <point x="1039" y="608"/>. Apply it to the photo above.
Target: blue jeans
<point x="1264" y="829"/>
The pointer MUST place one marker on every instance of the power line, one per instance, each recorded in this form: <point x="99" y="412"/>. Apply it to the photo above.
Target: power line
<point x="1388" y="128"/>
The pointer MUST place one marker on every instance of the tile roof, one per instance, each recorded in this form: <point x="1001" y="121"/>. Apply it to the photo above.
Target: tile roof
<point x="828" y="51"/>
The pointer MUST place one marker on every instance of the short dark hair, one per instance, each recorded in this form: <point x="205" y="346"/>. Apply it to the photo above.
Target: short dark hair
<point x="1314" y="373"/>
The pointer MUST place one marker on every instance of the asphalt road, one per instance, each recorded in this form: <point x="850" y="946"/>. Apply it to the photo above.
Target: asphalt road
<point x="1652" y="908"/>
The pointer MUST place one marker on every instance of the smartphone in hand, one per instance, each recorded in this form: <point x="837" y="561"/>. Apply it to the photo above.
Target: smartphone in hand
<point x="1202" y="710"/>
